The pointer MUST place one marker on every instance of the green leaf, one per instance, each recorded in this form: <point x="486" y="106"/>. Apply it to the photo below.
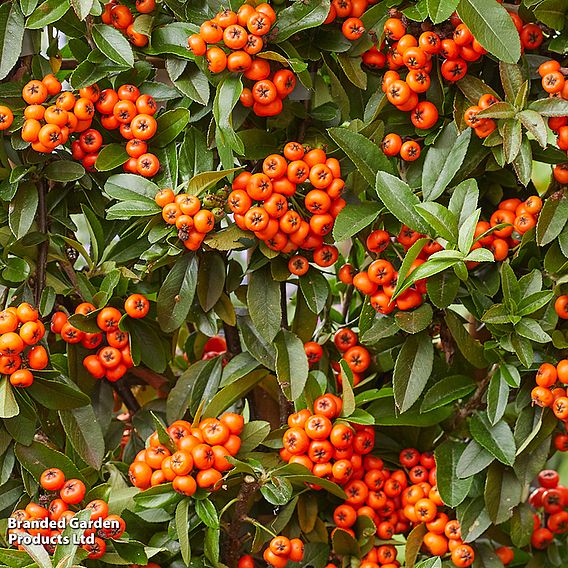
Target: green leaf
<point x="354" y="218"/>
<point x="412" y="370"/>
<point x="440" y="10"/>
<point x="452" y="489"/>
<point x="193" y="84"/>
<point x="315" y="290"/>
<point x="497" y="397"/>
<point x="36" y="458"/>
<point x="8" y="404"/>
<point x="177" y="292"/>
<point x="170" y="124"/>
<point x="253" y="434"/>
<point x="347" y="387"/>
<point x="531" y="329"/>
<point x="416" y="320"/>
<point x="443" y="161"/>
<point x="523" y="348"/>
<point x="300" y="16"/>
<point x="492" y="26"/>
<point x="512" y="79"/>
<point x="447" y="390"/>
<point x="206" y="512"/>
<point x="534" y="302"/>
<point x="474" y="520"/>
<point x="386" y="414"/>
<point x="211" y="280"/>
<point x="82" y="7"/>
<point x="551" y="13"/>
<point x="382" y="327"/>
<point x="467" y="232"/>
<point x="353" y="71"/>
<point x="291" y="364"/>
<point x="263" y="301"/>
<point x="182" y="529"/>
<point x="443" y="288"/>
<point x="502" y="492"/>
<point x="552" y="219"/>
<point x="414" y="543"/>
<point x="180" y="395"/>
<point x="113" y="44"/>
<point x="277" y="491"/>
<point x="535" y="124"/>
<point x="522" y="164"/>
<point x="522" y="525"/>
<point x="22" y="209"/>
<point x="512" y="137"/>
<point x="497" y="438"/>
<point x="474" y="88"/>
<point x="231" y="393"/>
<point x="132" y="208"/>
<point x="125" y="187"/>
<point x="365" y="155"/>
<point x="228" y="93"/>
<point x="11" y="36"/>
<point x="65" y="553"/>
<point x="16" y="270"/>
<point x="47" y="13"/>
<point x="111" y="156"/>
<point x="205" y="180"/>
<point x="57" y="396"/>
<point x="443" y="221"/>
<point x="471" y="348"/>
<point x="550" y="107"/>
<point x="400" y="201"/>
<point x="85" y="434"/>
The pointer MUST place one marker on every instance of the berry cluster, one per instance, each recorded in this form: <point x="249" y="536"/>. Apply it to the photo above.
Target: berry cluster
<point x="202" y="451"/>
<point x="113" y="357"/>
<point x="350" y="11"/>
<point x="185" y="212"/>
<point x="397" y="500"/>
<point x="269" y="89"/>
<point x="47" y="128"/>
<point x="20" y="331"/>
<point x="550" y="499"/>
<point x="125" y="109"/>
<point x="269" y="205"/>
<point x="241" y="33"/>
<point x="60" y="503"/>
<point x="547" y="394"/>
<point x="133" y="115"/>
<point x="329" y="450"/>
<point x="121" y="17"/>
<point x="517" y="216"/>
<point x="282" y="550"/>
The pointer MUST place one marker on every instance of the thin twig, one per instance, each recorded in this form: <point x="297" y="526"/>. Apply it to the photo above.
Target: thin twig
<point x="123" y="391"/>
<point x="41" y="265"/>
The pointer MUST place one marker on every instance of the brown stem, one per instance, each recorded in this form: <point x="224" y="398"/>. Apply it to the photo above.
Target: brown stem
<point x="233" y="340"/>
<point x="474" y="403"/>
<point x="123" y="391"/>
<point x="346" y="302"/>
<point x="151" y="378"/>
<point x="284" y="306"/>
<point x="41" y="265"/>
<point x="247" y="491"/>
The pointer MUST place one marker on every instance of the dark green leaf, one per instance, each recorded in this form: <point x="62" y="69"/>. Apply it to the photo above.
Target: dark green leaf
<point x="497" y="439"/>
<point x="365" y="155"/>
<point x="354" y="218"/>
<point x="170" y="124"/>
<point x="443" y="160"/>
<point x="412" y="370"/>
<point x="471" y="348"/>
<point x="47" y="13"/>
<point x="315" y="290"/>
<point x="300" y="16"/>
<point x="447" y="390"/>
<point x="291" y="364"/>
<point x="23" y="209"/>
<point x="492" y="26"/>
<point x="177" y="292"/>
<point x="452" y="489"/>
<point x="113" y="44"/>
<point x="263" y="301"/>
<point x="84" y="433"/>
<point x="552" y="219"/>
<point x="11" y="36"/>
<point x="400" y="201"/>
<point x="111" y="156"/>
